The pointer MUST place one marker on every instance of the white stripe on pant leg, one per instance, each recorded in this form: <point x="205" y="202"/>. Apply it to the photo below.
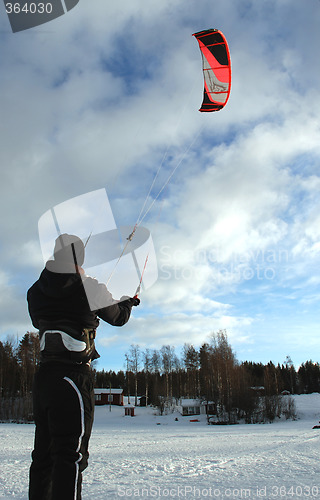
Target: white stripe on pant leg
<point x="71" y="382"/>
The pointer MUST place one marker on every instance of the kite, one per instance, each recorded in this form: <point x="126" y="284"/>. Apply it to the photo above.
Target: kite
<point x="216" y="67"/>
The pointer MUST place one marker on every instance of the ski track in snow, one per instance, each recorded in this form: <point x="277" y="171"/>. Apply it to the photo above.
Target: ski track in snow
<point x="133" y="457"/>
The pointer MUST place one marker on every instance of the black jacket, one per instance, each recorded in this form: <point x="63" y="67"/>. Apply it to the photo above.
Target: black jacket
<point x="58" y="302"/>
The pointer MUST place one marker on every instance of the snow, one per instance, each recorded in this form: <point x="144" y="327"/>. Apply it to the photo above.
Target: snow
<point x="150" y="456"/>
<point x="108" y="391"/>
<point x="189" y="402"/>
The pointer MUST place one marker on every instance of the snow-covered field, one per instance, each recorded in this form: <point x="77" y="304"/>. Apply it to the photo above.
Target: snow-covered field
<point x="148" y="456"/>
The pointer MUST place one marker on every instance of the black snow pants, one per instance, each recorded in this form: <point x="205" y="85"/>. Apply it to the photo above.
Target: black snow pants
<point x="63" y="400"/>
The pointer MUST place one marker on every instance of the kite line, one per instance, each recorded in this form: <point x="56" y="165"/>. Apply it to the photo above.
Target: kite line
<point x="144" y="212"/>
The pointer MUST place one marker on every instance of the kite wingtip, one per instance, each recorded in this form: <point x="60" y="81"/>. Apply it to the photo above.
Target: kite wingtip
<point x="203" y="31"/>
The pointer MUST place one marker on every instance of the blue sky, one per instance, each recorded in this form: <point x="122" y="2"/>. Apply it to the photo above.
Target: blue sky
<point x="100" y="97"/>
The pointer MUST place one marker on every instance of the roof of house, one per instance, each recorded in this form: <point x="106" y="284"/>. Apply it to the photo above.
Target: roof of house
<point x="108" y="391"/>
<point x="189" y="402"/>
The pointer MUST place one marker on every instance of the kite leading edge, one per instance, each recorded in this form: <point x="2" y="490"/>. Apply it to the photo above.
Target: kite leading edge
<point x="216" y="66"/>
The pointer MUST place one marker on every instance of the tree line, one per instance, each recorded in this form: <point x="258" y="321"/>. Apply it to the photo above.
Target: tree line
<point x="18" y="363"/>
<point x="237" y="390"/>
<point x="248" y="391"/>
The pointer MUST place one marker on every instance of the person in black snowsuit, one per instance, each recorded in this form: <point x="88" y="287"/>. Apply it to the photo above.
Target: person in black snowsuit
<point x="63" y="395"/>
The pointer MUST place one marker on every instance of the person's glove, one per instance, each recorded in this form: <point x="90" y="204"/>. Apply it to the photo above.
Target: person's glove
<point x="135" y="301"/>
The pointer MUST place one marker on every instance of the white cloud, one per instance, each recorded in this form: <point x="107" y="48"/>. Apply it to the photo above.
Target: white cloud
<point x="14" y="316"/>
<point x="176" y="329"/>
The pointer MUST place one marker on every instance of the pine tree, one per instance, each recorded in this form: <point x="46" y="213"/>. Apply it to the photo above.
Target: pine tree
<point x="191" y="363"/>
<point x="28" y="357"/>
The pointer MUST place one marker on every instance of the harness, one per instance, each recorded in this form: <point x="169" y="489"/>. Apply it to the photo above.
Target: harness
<point x="69" y="345"/>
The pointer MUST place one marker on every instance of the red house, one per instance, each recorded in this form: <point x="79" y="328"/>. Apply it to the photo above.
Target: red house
<point x="108" y="396"/>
